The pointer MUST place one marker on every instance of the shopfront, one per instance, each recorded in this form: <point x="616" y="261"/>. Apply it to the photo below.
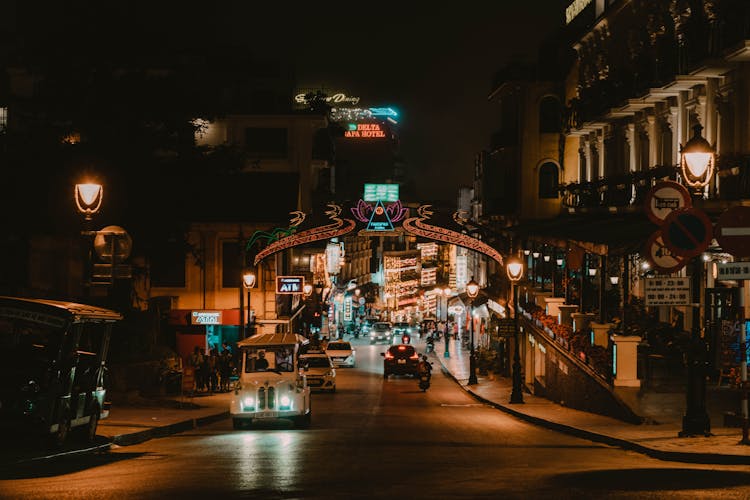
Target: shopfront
<point x="204" y="328"/>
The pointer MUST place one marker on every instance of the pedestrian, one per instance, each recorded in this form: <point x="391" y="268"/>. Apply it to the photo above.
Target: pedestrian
<point x="204" y="370"/>
<point x="196" y="361"/>
<point x="225" y="369"/>
<point x="213" y="370"/>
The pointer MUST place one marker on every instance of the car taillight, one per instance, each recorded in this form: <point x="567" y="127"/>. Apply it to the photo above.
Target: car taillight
<point x="401" y="348"/>
<point x="388" y="355"/>
<point x="414" y="356"/>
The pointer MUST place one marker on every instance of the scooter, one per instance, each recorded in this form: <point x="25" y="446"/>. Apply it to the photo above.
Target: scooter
<point x="430" y="344"/>
<point x="424" y="382"/>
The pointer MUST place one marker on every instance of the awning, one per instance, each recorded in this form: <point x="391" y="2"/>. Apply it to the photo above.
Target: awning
<point x="603" y="234"/>
<point x="464" y="300"/>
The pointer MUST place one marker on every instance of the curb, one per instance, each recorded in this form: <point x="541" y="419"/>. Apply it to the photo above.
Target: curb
<point x="674" y="456"/>
<point x="166" y="430"/>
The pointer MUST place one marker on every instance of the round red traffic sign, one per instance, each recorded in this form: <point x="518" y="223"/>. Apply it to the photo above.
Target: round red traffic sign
<point x="687" y="232"/>
<point x="661" y="258"/>
<point x="733" y="231"/>
<point x="664" y="198"/>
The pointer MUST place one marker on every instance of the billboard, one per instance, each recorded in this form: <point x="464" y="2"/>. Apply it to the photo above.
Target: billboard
<point x="381" y="192"/>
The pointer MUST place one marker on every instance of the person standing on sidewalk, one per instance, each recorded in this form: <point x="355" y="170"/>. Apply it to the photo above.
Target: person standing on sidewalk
<point x="196" y="361"/>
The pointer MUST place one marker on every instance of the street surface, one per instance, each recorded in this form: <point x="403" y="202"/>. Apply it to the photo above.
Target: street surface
<point x="375" y="439"/>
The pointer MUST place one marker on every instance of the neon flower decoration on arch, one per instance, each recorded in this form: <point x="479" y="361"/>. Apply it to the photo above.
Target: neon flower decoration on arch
<point x="338" y="227"/>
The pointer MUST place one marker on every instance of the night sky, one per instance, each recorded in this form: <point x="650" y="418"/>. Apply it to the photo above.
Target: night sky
<point x="432" y="61"/>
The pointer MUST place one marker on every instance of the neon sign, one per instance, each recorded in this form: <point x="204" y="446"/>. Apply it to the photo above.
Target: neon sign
<point x="365" y="131"/>
<point x="381" y="192"/>
<point x="336" y="98"/>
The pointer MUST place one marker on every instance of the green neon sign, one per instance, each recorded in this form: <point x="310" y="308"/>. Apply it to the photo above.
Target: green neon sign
<point x="381" y="192"/>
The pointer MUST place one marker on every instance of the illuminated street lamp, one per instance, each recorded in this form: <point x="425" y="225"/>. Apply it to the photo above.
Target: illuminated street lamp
<point x="88" y="198"/>
<point x="472" y="290"/>
<point x="514" y="268"/>
<point x="697" y="162"/>
<point x="248" y="281"/>
<point x="307" y="290"/>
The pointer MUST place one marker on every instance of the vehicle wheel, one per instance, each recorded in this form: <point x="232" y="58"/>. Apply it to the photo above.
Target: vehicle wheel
<point x="372" y="342"/>
<point x="385" y="376"/>
<point x="334" y="389"/>
<point x="88" y="432"/>
<point x="238" y="423"/>
<point x="304" y="421"/>
<point x="61" y="435"/>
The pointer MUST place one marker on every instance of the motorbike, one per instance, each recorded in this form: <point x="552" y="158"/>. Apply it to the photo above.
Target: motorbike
<point x="424" y="382"/>
<point x="430" y="344"/>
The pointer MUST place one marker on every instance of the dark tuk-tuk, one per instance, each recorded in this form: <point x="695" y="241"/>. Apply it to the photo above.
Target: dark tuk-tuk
<point x="52" y="377"/>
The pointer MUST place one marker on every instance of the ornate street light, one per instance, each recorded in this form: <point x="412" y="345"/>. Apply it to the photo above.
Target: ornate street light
<point x="697" y="161"/>
<point x="248" y="281"/>
<point x="514" y="268"/>
<point x="472" y="290"/>
<point x="88" y="198"/>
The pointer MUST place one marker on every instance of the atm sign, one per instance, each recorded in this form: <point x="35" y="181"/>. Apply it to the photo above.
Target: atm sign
<point x="290" y="284"/>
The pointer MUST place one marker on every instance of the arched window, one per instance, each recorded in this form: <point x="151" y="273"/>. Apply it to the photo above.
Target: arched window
<point x="549" y="115"/>
<point x="548" y="180"/>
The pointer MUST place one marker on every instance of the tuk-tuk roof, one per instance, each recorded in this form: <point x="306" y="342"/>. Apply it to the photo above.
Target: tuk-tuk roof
<point x="73" y="311"/>
<point x="263" y="339"/>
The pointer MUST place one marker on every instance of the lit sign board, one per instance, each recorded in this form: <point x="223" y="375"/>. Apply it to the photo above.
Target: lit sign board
<point x="381" y="192"/>
<point x="337" y="98"/>
<point x="380" y="220"/>
<point x="365" y="131"/>
<point x="205" y="318"/>
<point x="290" y="284"/>
<point x="575" y="8"/>
<point x="384" y="112"/>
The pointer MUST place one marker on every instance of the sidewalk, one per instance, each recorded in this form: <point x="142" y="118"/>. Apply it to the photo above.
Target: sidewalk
<point x="132" y="424"/>
<point x="656" y="440"/>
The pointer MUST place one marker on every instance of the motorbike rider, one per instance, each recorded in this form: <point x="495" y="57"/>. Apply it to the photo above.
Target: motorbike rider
<point x="424" y="367"/>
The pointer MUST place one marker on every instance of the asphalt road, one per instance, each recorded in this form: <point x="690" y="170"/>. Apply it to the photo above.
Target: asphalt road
<point x="375" y="439"/>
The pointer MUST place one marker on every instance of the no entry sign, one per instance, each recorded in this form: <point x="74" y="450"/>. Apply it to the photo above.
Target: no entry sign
<point x="687" y="232"/>
<point x="661" y="257"/>
<point x="733" y="231"/>
<point x="664" y="198"/>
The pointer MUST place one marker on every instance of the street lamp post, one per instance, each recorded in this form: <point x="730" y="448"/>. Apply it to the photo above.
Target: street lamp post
<point x="514" y="268"/>
<point x="697" y="163"/>
<point x="88" y="198"/>
<point x="248" y="281"/>
<point x="472" y="290"/>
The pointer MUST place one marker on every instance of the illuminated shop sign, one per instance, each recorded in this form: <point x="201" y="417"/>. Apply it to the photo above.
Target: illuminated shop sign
<point x="365" y="131"/>
<point x="575" y="8"/>
<point x="290" y="284"/>
<point x="205" y="318"/>
<point x="384" y="112"/>
<point x="381" y="192"/>
<point x="337" y="98"/>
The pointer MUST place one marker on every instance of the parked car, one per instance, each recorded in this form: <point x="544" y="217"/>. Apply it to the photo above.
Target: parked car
<point x="400" y="359"/>
<point x="341" y="354"/>
<point x="319" y="370"/>
<point x="382" y="331"/>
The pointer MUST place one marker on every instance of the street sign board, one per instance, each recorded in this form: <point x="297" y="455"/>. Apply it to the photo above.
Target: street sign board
<point x="506" y="327"/>
<point x="661" y="258"/>
<point x="733" y="231"/>
<point x="733" y="271"/>
<point x="667" y="291"/>
<point x="687" y="232"/>
<point x="664" y="198"/>
<point x="290" y="284"/>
